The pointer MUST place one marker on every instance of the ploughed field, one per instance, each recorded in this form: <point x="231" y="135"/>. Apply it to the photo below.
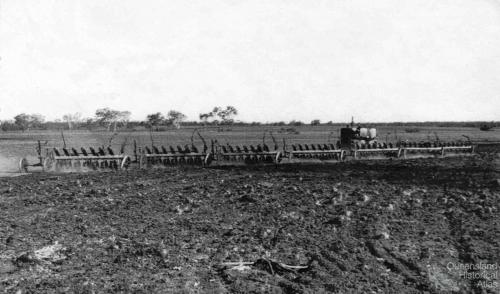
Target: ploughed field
<point x="380" y="227"/>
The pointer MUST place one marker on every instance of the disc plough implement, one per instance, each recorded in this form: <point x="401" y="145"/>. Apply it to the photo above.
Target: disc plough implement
<point x="315" y="151"/>
<point x="93" y="159"/>
<point x="434" y="149"/>
<point x="408" y="150"/>
<point x="173" y="156"/>
<point x="375" y="150"/>
<point x="246" y="154"/>
<point x="187" y="155"/>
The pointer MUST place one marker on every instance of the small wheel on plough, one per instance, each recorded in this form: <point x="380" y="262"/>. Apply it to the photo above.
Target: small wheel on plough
<point x="208" y="159"/>
<point x="49" y="163"/>
<point x="125" y="162"/>
<point x="277" y="159"/>
<point x="23" y="165"/>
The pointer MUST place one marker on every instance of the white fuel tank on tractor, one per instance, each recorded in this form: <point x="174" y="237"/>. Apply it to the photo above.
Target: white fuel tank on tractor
<point x="372" y="133"/>
<point x="363" y="132"/>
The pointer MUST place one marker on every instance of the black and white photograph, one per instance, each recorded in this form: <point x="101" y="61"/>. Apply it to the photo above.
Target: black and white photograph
<point x="249" y="146"/>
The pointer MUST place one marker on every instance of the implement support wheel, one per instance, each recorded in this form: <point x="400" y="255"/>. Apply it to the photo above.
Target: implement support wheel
<point x="125" y="162"/>
<point x="49" y="163"/>
<point x="23" y="165"/>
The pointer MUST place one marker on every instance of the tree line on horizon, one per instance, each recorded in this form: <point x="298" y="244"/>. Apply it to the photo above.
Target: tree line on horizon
<point x="114" y="120"/>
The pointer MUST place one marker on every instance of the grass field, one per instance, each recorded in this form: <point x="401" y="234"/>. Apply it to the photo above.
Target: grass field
<point x="14" y="145"/>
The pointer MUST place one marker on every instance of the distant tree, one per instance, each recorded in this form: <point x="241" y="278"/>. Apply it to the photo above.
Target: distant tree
<point x="27" y="121"/>
<point x="279" y="123"/>
<point x="315" y="122"/>
<point x="106" y="116"/>
<point x="175" y="118"/>
<point x="226" y="115"/>
<point x="216" y="110"/>
<point x="110" y="117"/>
<point x="88" y="123"/>
<point x="204" y="117"/>
<point x="295" y="123"/>
<point x="10" y="125"/>
<point x="154" y="120"/>
<point x="123" y="118"/>
<point x="487" y="127"/>
<point x="73" y="120"/>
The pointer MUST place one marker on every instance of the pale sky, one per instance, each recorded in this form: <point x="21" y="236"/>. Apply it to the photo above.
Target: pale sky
<point x="384" y="60"/>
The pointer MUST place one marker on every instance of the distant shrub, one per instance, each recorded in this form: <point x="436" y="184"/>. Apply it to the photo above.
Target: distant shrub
<point x="10" y="126"/>
<point x="280" y="123"/>
<point x="412" y="130"/>
<point x="295" y="123"/>
<point x="486" y="127"/>
<point x="288" y="131"/>
<point x="315" y="122"/>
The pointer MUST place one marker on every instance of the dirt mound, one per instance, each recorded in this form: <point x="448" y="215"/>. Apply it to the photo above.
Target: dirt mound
<point x="352" y="227"/>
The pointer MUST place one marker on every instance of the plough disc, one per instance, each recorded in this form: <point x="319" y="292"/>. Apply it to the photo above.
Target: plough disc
<point x="23" y="165"/>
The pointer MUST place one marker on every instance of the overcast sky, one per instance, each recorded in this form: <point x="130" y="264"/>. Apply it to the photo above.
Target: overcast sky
<point x="273" y="60"/>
